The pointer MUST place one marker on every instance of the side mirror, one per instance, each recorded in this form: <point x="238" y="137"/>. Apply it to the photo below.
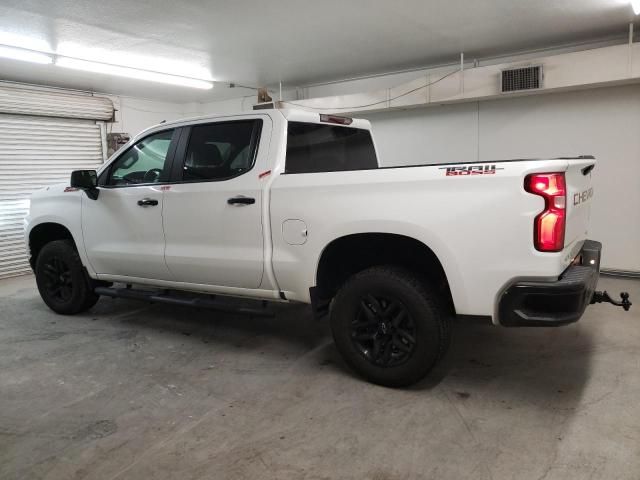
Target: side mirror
<point x="86" y="180"/>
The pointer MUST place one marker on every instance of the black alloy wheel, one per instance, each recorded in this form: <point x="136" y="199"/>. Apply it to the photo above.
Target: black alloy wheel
<point x="383" y="331"/>
<point x="57" y="279"/>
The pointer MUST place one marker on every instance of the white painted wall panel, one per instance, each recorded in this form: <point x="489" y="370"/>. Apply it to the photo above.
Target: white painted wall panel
<point x="435" y="135"/>
<point x="602" y="122"/>
<point x="136" y="114"/>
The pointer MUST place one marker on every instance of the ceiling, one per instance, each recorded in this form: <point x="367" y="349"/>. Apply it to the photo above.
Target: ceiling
<point x="293" y="41"/>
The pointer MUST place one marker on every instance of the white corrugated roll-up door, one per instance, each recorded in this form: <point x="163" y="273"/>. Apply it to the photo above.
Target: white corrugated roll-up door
<point x="41" y="147"/>
<point x="23" y="100"/>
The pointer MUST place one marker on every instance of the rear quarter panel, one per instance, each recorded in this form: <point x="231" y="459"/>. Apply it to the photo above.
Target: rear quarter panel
<point x="479" y="226"/>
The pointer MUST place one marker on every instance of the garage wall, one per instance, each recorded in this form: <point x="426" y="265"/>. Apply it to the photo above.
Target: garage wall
<point x="232" y="105"/>
<point x="429" y="135"/>
<point x="604" y="122"/>
<point x="136" y="114"/>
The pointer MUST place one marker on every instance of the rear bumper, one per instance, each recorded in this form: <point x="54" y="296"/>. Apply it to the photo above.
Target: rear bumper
<point x="537" y="303"/>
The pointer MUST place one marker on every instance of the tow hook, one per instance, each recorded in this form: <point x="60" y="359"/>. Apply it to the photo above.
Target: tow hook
<point x="600" y="297"/>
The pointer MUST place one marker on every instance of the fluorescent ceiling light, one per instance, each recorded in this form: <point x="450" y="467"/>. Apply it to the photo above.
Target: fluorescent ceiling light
<point x="25" y="55"/>
<point x="191" y="68"/>
<point x="24" y="42"/>
<point x="127" y="72"/>
<point x="636" y="6"/>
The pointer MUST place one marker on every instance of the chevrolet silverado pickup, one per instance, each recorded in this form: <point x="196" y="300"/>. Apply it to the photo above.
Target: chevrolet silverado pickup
<point x="293" y="206"/>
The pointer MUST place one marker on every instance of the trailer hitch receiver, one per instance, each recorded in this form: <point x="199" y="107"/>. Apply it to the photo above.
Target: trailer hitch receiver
<point x="600" y="297"/>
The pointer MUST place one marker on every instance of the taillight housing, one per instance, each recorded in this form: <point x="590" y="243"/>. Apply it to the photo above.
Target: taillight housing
<point x="550" y="224"/>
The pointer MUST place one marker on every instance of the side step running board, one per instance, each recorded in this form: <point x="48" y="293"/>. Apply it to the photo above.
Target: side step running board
<point x="187" y="300"/>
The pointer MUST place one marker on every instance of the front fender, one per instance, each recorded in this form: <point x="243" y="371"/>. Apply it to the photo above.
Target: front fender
<point x="59" y="205"/>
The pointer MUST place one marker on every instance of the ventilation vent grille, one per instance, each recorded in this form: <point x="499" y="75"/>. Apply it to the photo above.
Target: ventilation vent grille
<point x="518" y="79"/>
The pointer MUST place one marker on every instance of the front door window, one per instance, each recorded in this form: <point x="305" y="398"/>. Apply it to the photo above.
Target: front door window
<point x="144" y="163"/>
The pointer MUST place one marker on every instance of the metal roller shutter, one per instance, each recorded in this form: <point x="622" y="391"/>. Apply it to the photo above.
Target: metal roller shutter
<point x="25" y="100"/>
<point x="34" y="152"/>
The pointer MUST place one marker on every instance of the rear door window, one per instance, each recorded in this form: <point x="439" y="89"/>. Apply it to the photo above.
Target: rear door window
<point x="313" y="147"/>
<point x="220" y="151"/>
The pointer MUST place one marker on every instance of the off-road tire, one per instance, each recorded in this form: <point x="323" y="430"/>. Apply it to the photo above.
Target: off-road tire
<point x="426" y="322"/>
<point x="62" y="280"/>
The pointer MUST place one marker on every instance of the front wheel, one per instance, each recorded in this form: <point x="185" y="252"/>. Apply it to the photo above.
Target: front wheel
<point x="389" y="326"/>
<point x="61" y="279"/>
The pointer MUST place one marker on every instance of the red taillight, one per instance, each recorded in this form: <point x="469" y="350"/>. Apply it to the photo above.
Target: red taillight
<point x="335" y="119"/>
<point x="549" y="226"/>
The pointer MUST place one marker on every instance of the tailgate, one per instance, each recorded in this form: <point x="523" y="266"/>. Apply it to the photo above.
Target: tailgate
<point x="579" y="197"/>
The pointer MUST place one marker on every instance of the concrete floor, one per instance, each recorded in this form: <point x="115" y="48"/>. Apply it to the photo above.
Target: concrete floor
<point x="138" y="392"/>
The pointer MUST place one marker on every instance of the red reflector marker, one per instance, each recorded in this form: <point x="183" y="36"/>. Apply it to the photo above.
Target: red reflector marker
<point x="549" y="225"/>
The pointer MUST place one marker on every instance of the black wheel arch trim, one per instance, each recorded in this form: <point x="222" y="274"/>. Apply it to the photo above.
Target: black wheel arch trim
<point x="49" y="232"/>
<point x="321" y="296"/>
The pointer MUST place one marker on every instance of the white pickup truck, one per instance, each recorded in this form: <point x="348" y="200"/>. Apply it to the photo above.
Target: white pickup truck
<point x="293" y="206"/>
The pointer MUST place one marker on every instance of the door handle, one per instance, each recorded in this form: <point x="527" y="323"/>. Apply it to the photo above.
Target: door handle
<point x="148" y="202"/>
<point x="241" y="200"/>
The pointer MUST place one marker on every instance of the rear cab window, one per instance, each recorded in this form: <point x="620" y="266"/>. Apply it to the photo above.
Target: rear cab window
<point x="313" y="148"/>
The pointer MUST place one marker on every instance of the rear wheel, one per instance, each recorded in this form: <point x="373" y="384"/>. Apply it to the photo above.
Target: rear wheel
<point x="389" y="326"/>
<point x="62" y="281"/>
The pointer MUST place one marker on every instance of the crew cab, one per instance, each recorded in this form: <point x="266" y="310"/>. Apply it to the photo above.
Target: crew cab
<point x="293" y="206"/>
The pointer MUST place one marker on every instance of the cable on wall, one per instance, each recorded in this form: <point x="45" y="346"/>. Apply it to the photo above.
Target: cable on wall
<point x="376" y="103"/>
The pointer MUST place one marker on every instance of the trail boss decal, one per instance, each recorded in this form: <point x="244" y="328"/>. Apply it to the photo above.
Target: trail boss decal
<point x="582" y="197"/>
<point x="456" y="171"/>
